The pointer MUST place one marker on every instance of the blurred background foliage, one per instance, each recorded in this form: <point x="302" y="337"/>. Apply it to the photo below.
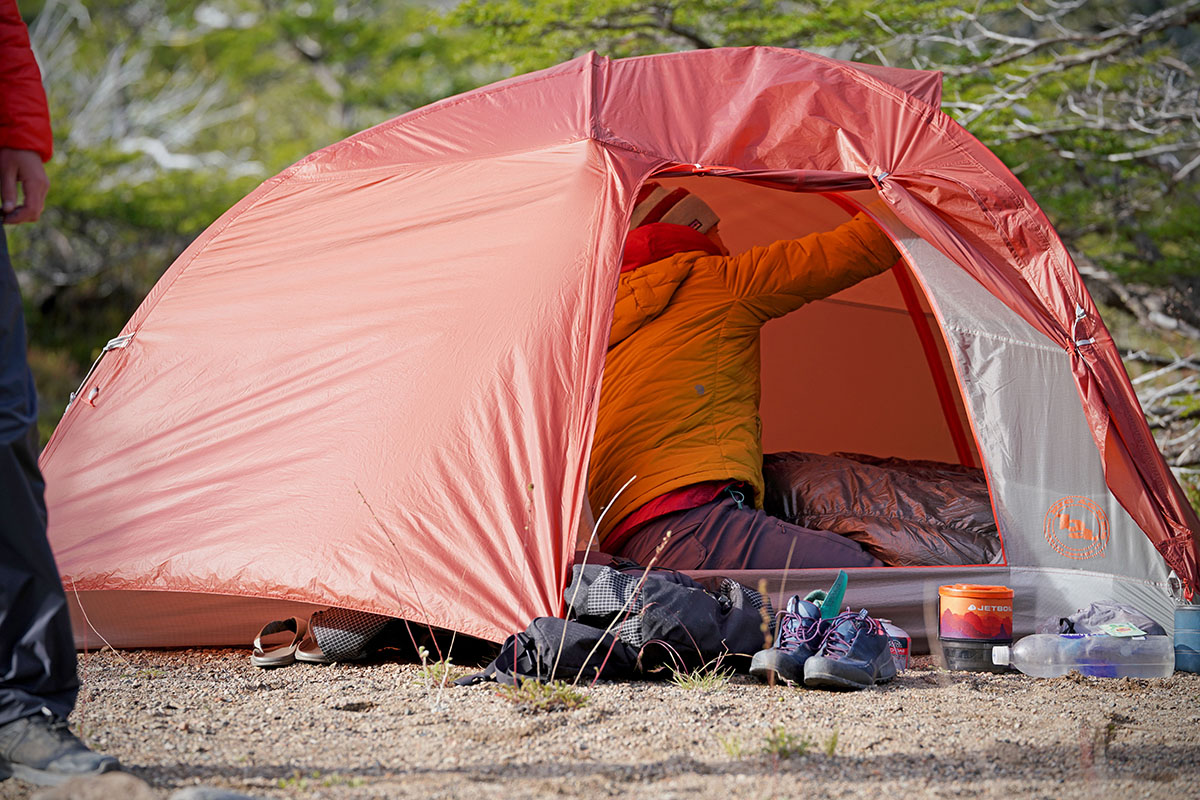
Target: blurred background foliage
<point x="166" y="113"/>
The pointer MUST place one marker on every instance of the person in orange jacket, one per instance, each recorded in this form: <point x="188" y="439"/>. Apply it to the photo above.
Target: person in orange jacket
<point x="38" y="679"/>
<point x="679" y="403"/>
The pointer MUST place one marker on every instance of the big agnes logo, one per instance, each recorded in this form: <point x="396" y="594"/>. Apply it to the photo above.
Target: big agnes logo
<point x="1077" y="528"/>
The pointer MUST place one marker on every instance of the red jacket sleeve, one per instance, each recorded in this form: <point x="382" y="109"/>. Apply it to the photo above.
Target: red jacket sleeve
<point x="24" y="116"/>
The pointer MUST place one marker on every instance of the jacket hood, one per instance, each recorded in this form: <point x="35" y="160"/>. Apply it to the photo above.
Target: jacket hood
<point x="651" y="272"/>
<point x="643" y="293"/>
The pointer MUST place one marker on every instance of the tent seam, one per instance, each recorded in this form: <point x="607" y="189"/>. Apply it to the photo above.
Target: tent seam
<point x="990" y="215"/>
<point x="1002" y="338"/>
<point x="406" y="167"/>
<point x="937" y="119"/>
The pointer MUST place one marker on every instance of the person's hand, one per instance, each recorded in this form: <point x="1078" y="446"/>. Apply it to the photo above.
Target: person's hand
<point x="22" y="168"/>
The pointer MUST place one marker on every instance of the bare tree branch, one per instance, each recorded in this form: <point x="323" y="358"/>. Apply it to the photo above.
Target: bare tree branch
<point x="1183" y="14"/>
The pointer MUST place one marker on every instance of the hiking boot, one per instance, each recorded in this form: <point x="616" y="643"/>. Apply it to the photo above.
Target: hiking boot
<point x="854" y="655"/>
<point x="799" y="630"/>
<point x="41" y="750"/>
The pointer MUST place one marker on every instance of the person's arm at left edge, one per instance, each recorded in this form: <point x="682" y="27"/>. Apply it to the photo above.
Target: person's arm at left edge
<point x="25" y="138"/>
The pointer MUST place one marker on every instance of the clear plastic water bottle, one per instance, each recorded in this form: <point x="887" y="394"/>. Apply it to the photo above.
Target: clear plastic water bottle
<point x="1048" y="655"/>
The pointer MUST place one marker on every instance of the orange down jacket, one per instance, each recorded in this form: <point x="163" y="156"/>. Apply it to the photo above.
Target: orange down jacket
<point x="679" y="403"/>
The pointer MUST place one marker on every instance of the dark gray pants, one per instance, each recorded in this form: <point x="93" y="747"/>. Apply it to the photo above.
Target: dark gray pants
<point x="722" y="535"/>
<point x="37" y="650"/>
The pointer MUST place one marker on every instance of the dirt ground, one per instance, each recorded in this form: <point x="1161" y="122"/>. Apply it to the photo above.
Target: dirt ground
<point x="178" y="719"/>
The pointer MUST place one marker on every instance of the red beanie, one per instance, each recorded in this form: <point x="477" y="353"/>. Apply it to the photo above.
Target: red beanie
<point x="657" y="240"/>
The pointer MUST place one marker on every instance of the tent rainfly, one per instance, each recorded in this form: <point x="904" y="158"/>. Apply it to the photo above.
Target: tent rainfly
<point x="372" y="383"/>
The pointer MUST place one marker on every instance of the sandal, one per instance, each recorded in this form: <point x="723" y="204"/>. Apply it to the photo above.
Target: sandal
<point x="280" y="649"/>
<point x="310" y="652"/>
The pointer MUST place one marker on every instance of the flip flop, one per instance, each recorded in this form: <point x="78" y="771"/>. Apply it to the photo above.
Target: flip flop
<point x="283" y="637"/>
<point x="310" y="652"/>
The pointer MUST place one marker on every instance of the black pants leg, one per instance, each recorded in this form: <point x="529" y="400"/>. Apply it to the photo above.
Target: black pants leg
<point x="37" y="650"/>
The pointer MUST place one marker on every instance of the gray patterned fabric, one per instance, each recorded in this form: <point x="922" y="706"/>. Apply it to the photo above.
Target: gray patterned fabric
<point x="608" y="594"/>
<point x="345" y="635"/>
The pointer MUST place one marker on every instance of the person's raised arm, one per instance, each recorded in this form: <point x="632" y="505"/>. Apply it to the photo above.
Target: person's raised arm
<point x="785" y="275"/>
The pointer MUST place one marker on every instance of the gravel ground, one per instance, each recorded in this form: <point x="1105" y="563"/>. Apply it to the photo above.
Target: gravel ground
<point x="181" y="718"/>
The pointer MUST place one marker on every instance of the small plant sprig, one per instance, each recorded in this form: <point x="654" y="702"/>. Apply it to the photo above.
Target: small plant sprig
<point x="735" y="748"/>
<point x="782" y="744"/>
<point x="711" y="677"/>
<point x="149" y="673"/>
<point x="436" y="673"/>
<point x="531" y="697"/>
<point x="298" y="780"/>
<point x="779" y="744"/>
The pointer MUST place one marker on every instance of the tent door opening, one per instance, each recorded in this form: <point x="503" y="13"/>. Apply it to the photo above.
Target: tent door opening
<point x="865" y="371"/>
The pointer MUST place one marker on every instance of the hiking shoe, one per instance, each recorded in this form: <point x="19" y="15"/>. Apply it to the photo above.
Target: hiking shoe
<point x="41" y="750"/>
<point x="799" y="630"/>
<point x="854" y="655"/>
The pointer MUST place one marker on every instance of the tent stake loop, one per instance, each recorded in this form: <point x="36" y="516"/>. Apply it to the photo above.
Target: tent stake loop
<point x="1080" y="315"/>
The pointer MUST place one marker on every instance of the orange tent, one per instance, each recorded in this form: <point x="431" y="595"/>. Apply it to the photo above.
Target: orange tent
<point x="371" y="383"/>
